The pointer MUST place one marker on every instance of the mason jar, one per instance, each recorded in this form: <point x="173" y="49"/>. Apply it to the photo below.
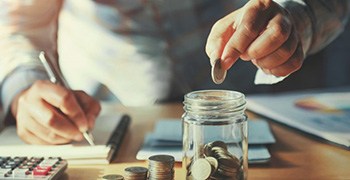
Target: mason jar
<point x="215" y="144"/>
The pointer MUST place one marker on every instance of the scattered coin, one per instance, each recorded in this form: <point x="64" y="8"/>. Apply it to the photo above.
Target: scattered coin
<point x="218" y="74"/>
<point x="136" y="173"/>
<point x="113" y="177"/>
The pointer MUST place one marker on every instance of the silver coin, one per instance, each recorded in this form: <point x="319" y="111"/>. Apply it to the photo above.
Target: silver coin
<point x="113" y="177"/>
<point x="162" y="158"/>
<point x="219" y="144"/>
<point x="201" y="169"/>
<point x="136" y="169"/>
<point x="218" y="74"/>
<point x="213" y="162"/>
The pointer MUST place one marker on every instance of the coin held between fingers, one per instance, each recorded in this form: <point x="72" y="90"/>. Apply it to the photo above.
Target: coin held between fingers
<point x="218" y="74"/>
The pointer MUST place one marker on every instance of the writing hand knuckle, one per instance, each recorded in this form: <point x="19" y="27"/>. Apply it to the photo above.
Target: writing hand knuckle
<point x="98" y="107"/>
<point x="66" y="97"/>
<point x="51" y="119"/>
<point x="52" y="136"/>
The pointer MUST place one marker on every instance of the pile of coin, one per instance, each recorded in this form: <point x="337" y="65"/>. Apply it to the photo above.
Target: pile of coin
<point x="135" y="173"/>
<point x="217" y="163"/>
<point x="161" y="167"/>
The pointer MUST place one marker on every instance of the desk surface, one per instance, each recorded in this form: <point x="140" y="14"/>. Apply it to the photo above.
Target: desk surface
<point x="295" y="155"/>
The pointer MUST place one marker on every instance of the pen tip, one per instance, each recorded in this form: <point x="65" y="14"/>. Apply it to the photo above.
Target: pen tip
<point x="89" y="138"/>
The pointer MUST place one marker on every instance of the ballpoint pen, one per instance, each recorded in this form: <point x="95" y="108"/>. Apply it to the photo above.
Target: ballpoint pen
<point x="57" y="78"/>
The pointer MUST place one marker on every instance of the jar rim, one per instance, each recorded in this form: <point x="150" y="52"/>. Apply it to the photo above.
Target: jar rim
<point x="214" y="95"/>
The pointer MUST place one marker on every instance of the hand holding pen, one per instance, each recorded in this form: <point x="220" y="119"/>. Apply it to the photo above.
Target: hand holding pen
<point x="48" y="113"/>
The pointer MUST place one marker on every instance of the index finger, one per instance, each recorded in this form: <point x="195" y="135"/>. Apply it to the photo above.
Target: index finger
<point x="253" y="21"/>
<point x="220" y="33"/>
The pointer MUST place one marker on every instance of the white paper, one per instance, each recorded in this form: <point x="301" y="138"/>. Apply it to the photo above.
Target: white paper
<point x="334" y="127"/>
<point x="75" y="153"/>
<point x="339" y="100"/>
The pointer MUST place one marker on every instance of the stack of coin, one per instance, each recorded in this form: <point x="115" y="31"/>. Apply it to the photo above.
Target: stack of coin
<point x="113" y="177"/>
<point x="135" y="173"/>
<point x="161" y="167"/>
<point x="218" y="163"/>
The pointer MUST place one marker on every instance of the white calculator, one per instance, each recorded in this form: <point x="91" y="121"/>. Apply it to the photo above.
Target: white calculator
<point x="24" y="168"/>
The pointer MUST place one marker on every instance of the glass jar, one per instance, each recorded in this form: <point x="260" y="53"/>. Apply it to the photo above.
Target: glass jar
<point x="215" y="143"/>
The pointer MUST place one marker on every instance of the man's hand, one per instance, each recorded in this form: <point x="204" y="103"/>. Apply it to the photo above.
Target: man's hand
<point x="47" y="113"/>
<point x="262" y="32"/>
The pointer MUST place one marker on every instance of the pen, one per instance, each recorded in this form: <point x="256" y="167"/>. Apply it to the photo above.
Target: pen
<point x="56" y="78"/>
<point x="116" y="138"/>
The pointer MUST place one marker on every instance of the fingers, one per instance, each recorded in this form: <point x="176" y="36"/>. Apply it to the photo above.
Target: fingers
<point x="220" y="33"/>
<point x="253" y="21"/>
<point x="291" y="65"/>
<point x="281" y="55"/>
<point x="63" y="99"/>
<point x="37" y="113"/>
<point x="29" y="137"/>
<point x="34" y="133"/>
<point x="47" y="116"/>
<point x="261" y="31"/>
<point x="90" y="106"/>
<point x="44" y="133"/>
<point x="50" y="114"/>
<point x="276" y="33"/>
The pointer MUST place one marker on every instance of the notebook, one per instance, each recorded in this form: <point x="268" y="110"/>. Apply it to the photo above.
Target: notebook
<point x="74" y="153"/>
<point x="167" y="139"/>
<point x="323" y="113"/>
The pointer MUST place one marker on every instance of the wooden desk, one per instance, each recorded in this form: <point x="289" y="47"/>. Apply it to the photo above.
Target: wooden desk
<point x="296" y="155"/>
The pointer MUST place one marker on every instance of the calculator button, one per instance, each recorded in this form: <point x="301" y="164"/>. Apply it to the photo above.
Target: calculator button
<point x="49" y="162"/>
<point x="40" y="172"/>
<point x="3" y="172"/>
<point x="44" y="167"/>
<point x="23" y="167"/>
<point x="6" y="166"/>
<point x="31" y="168"/>
<point x="21" y="172"/>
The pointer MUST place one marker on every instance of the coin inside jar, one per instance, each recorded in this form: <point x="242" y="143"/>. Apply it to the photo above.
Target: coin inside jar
<point x="218" y="74"/>
<point x="201" y="169"/>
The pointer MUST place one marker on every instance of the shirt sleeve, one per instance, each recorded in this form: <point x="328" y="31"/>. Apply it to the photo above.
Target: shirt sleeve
<point x="318" y="22"/>
<point x="26" y="27"/>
